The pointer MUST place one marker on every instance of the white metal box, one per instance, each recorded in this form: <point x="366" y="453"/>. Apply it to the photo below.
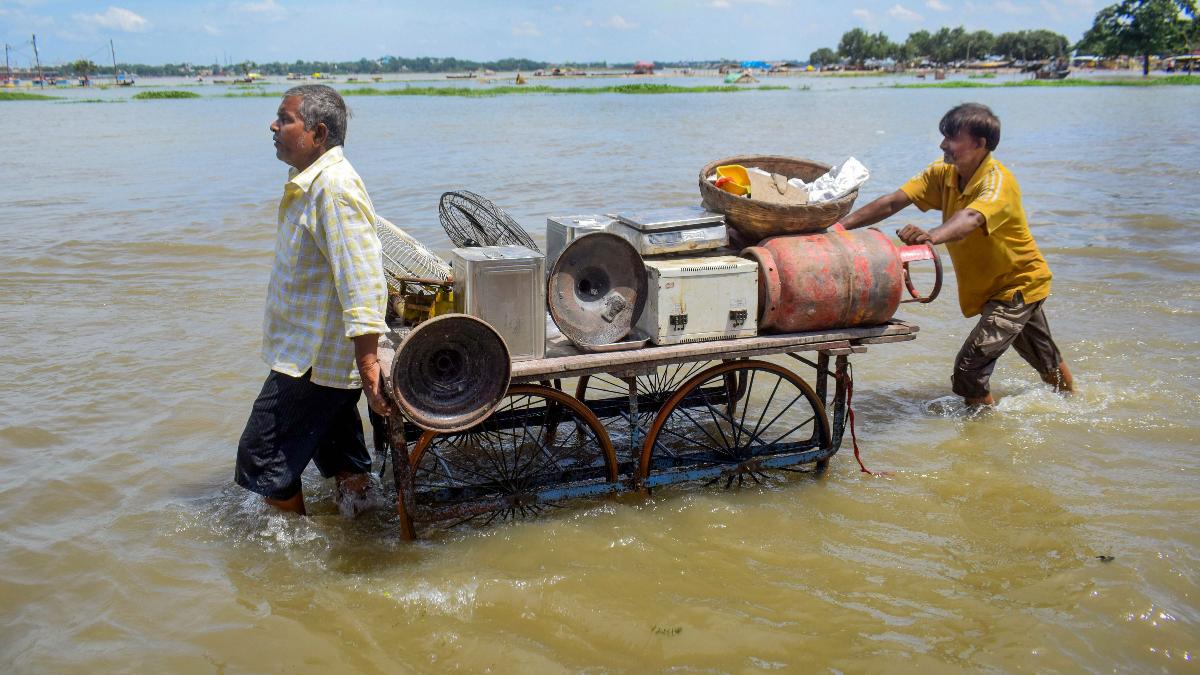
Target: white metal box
<point x="562" y="230"/>
<point x="506" y="287"/>
<point x="689" y="229"/>
<point x="697" y="299"/>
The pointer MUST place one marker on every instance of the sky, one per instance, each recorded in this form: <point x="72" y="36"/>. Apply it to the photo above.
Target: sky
<point x="206" y="32"/>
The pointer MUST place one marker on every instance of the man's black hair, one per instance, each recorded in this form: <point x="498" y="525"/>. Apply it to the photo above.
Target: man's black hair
<point x="976" y="118"/>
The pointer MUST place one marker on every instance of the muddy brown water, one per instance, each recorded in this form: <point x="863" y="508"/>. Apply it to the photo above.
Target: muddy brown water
<point x="135" y="244"/>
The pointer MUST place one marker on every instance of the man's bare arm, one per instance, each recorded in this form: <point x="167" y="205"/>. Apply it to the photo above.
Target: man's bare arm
<point x="366" y="348"/>
<point x="880" y="209"/>
<point x="958" y="227"/>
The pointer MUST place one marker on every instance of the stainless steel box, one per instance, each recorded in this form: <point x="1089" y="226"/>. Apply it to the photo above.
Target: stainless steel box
<point x="506" y="287"/>
<point x="698" y="299"/>
<point x="689" y="229"/>
<point x="562" y="230"/>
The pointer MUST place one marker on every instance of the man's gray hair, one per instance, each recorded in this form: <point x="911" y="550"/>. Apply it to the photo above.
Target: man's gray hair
<point x="320" y="104"/>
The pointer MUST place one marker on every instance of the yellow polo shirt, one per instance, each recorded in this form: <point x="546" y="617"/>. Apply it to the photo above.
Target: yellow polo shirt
<point x="998" y="259"/>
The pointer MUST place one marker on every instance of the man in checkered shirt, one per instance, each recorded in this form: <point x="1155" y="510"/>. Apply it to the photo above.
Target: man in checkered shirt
<point x="324" y="315"/>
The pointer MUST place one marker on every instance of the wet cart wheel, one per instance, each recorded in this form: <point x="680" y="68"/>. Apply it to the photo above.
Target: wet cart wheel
<point x="627" y="415"/>
<point x="538" y="447"/>
<point x="709" y="430"/>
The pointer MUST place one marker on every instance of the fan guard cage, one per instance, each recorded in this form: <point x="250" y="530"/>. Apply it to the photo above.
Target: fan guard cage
<point x="406" y="258"/>
<point x="472" y="220"/>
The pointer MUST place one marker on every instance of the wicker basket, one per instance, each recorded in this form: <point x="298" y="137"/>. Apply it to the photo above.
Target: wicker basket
<point x="756" y="220"/>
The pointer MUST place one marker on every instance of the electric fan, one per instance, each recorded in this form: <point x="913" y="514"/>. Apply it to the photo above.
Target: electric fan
<point x="471" y="220"/>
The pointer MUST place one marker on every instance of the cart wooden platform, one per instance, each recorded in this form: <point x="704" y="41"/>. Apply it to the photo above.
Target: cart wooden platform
<point x="577" y="424"/>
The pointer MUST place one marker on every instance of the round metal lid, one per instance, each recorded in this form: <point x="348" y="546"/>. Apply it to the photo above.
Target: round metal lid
<point x="597" y="289"/>
<point x="450" y="373"/>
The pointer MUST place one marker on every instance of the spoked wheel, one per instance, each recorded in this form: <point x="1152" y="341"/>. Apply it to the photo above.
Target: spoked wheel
<point x="627" y="415"/>
<point x="539" y="446"/>
<point x="713" y="430"/>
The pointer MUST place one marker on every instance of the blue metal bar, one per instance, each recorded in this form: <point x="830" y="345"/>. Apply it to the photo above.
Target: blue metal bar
<point x="709" y="472"/>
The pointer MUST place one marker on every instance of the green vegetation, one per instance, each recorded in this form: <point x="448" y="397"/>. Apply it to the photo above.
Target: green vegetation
<point x="947" y="45"/>
<point x="168" y="93"/>
<point x="386" y="64"/>
<point x="1130" y="27"/>
<point x="25" y="96"/>
<point x="822" y="57"/>
<point x="71" y="101"/>
<point x="1143" y="28"/>
<point x="84" y="68"/>
<point x="1170" y="80"/>
<point x="485" y="92"/>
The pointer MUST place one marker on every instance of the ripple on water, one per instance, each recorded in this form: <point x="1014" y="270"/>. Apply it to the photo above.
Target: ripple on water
<point x="25" y="436"/>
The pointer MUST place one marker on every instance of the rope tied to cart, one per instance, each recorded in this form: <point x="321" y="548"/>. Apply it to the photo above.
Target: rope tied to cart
<point x="850" y="416"/>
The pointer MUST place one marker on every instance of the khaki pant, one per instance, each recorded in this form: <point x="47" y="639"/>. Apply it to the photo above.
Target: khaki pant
<point x="1004" y="324"/>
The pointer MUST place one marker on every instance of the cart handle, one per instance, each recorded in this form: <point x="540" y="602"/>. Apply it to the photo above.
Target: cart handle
<point x="921" y="252"/>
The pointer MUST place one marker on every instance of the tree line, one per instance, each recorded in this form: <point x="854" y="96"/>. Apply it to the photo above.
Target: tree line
<point x="1142" y="28"/>
<point x="387" y="64"/>
<point x="947" y="45"/>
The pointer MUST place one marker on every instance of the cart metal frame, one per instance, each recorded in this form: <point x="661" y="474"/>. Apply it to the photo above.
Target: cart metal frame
<point x="572" y="453"/>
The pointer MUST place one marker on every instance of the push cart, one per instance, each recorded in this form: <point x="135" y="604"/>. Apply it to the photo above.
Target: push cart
<point x="576" y="424"/>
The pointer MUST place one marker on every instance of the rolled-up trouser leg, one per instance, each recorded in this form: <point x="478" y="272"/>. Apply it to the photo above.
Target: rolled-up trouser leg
<point x="999" y="325"/>
<point x="1035" y="345"/>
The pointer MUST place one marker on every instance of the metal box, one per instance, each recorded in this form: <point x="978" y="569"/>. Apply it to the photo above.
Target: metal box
<point x="506" y="287"/>
<point x="562" y="230"/>
<point x="676" y="230"/>
<point x="697" y="299"/>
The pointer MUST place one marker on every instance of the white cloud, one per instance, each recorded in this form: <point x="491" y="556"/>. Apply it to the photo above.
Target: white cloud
<point x="117" y="18"/>
<point x="903" y="13"/>
<point x="864" y="15"/>
<point x="937" y="5"/>
<point x="619" y="22"/>
<point x="720" y="4"/>
<point x="526" y="29"/>
<point x="267" y="9"/>
<point x="211" y="30"/>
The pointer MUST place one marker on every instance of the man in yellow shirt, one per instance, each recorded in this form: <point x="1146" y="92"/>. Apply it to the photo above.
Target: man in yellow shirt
<point x="324" y="315"/>
<point x="1002" y="276"/>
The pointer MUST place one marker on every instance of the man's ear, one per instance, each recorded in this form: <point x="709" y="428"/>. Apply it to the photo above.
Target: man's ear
<point x="320" y="134"/>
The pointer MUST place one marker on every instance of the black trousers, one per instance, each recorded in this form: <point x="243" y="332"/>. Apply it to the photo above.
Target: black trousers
<point x="292" y="423"/>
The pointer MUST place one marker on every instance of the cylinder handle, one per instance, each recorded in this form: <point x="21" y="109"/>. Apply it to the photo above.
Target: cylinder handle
<point x="921" y="252"/>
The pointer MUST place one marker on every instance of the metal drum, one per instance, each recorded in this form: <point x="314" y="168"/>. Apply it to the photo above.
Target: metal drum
<point x="836" y="279"/>
<point x="450" y="373"/>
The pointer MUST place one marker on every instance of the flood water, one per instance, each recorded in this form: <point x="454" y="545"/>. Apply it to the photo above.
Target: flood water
<point x="135" y="243"/>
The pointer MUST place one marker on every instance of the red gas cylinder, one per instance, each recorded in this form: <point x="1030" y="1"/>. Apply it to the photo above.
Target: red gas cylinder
<point x="836" y="279"/>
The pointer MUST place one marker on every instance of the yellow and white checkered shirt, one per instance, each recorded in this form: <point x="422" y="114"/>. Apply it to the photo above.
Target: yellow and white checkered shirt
<point x="327" y="284"/>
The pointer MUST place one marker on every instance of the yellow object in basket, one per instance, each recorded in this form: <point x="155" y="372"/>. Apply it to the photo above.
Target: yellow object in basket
<point x="733" y="179"/>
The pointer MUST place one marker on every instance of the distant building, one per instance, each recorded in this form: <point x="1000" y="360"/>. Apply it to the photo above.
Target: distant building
<point x="643" y="68"/>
